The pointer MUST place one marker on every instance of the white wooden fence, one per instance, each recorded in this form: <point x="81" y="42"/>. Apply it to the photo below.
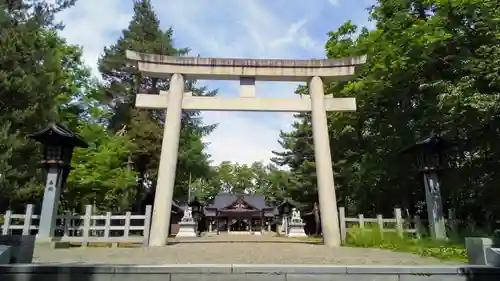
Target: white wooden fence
<point x="414" y="226"/>
<point x="89" y="228"/>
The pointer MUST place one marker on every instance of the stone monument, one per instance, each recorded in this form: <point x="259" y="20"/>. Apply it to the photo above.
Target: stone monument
<point x="296" y="226"/>
<point x="187" y="226"/>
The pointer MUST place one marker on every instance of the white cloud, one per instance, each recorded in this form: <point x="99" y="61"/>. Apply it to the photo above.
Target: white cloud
<point x="215" y="28"/>
<point x="94" y="24"/>
<point x="250" y="30"/>
<point x="334" y="2"/>
<point x="249" y="141"/>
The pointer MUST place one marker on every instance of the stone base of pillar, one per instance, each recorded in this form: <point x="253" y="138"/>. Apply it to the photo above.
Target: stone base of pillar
<point x="296" y="229"/>
<point x="187" y="229"/>
<point x="45" y="240"/>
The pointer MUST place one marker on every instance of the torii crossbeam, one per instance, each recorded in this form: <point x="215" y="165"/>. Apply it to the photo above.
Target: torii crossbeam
<point x="190" y="102"/>
<point x="247" y="71"/>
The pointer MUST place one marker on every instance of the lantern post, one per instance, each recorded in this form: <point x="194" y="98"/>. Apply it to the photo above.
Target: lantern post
<point x="197" y="210"/>
<point x="58" y="144"/>
<point x="428" y="154"/>
<point x="284" y="210"/>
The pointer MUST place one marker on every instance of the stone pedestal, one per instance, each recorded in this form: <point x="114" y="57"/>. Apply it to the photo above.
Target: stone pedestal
<point x="187" y="226"/>
<point x="296" y="229"/>
<point x="296" y="225"/>
<point x="5" y="254"/>
<point x="493" y="256"/>
<point x="187" y="229"/>
<point x="480" y="251"/>
<point x="21" y="247"/>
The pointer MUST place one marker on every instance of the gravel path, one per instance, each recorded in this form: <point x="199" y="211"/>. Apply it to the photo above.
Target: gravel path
<point x="231" y="249"/>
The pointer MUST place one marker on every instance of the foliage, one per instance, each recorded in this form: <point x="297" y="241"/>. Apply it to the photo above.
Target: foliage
<point x="43" y="80"/>
<point x="144" y="128"/>
<point x="371" y="237"/>
<point x="100" y="176"/>
<point x="256" y="178"/>
<point x="432" y="68"/>
<point x="37" y="70"/>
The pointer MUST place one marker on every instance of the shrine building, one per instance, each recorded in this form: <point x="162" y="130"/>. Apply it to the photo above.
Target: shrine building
<point x="231" y="213"/>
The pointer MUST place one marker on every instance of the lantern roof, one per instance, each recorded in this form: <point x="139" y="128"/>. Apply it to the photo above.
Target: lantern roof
<point x="286" y="202"/>
<point x="56" y="134"/>
<point x="195" y="201"/>
<point x="434" y="142"/>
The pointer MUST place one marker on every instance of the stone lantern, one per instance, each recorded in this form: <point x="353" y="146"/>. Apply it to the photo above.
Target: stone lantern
<point x="196" y="208"/>
<point x="428" y="154"/>
<point x="188" y="227"/>
<point x="58" y="144"/>
<point x="285" y="210"/>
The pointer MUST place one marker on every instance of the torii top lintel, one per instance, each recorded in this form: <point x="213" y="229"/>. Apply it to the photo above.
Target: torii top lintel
<point x="233" y="69"/>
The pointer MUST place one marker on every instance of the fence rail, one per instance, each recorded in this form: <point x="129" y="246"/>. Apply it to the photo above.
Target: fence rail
<point x="414" y="226"/>
<point x="84" y="229"/>
<point x="90" y="228"/>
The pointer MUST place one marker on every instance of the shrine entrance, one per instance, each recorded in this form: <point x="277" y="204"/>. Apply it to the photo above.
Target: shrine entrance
<point x="239" y="214"/>
<point x="240" y="225"/>
<point x="247" y="71"/>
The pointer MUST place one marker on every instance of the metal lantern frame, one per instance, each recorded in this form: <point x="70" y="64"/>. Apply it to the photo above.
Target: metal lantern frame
<point x="285" y="208"/>
<point x="196" y="207"/>
<point x="277" y="217"/>
<point x="429" y="153"/>
<point x="58" y="144"/>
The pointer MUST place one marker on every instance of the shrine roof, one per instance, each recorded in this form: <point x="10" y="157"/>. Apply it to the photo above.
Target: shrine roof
<point x="223" y="200"/>
<point x="239" y="211"/>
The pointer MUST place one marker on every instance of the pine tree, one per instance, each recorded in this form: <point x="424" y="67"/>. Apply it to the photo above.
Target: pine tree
<point x="143" y="126"/>
<point x="298" y="156"/>
<point x="432" y="67"/>
<point x="34" y="83"/>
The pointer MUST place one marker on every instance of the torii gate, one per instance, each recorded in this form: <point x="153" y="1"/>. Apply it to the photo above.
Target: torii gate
<point x="247" y="71"/>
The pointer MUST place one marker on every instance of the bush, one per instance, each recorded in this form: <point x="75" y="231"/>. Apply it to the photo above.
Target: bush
<point x="371" y="237"/>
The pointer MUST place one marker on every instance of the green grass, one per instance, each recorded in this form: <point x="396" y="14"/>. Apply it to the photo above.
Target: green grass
<point x="371" y="237"/>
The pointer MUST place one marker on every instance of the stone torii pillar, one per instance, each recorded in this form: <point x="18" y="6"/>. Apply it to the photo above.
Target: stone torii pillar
<point x="168" y="164"/>
<point x="247" y="71"/>
<point x="323" y="162"/>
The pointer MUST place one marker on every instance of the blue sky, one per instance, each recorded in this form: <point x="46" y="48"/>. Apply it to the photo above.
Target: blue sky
<point x="292" y="29"/>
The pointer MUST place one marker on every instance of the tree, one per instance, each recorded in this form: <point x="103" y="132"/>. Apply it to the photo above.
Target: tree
<point x="298" y="155"/>
<point x="100" y="176"/>
<point x="34" y="80"/>
<point x="431" y="68"/>
<point x="145" y="127"/>
<point x="267" y="181"/>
